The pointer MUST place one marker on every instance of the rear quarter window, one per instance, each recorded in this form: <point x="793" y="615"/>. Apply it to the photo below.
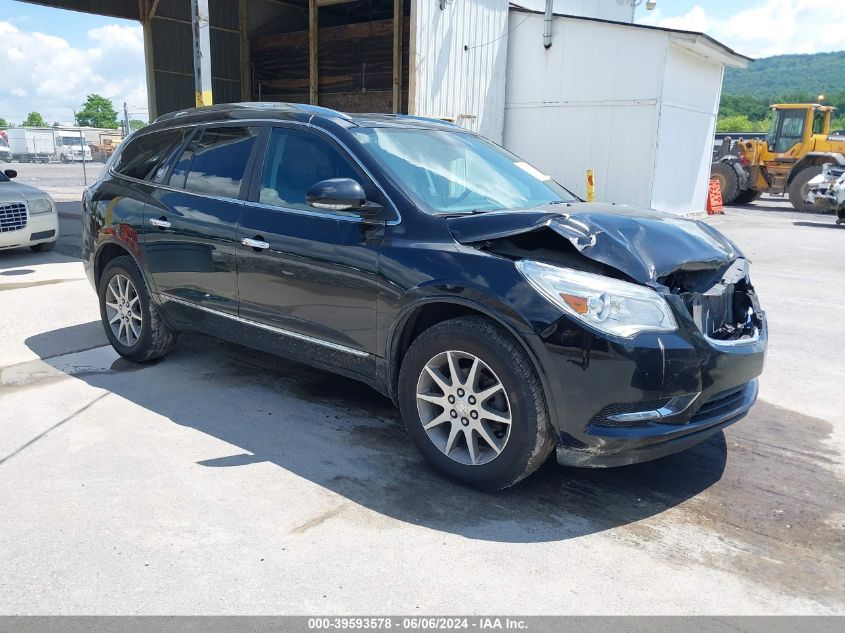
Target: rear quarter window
<point x="145" y="156"/>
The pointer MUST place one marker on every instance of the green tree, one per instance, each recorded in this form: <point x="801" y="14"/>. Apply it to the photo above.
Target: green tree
<point x="3" y="122"/>
<point x="136" y="124"/>
<point x="34" y="119"/>
<point x="97" y="111"/>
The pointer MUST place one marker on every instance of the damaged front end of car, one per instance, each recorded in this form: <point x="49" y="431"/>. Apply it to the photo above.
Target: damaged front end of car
<point x="661" y="336"/>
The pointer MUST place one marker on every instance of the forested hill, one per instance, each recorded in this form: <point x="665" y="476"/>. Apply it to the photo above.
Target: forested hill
<point x="820" y="73"/>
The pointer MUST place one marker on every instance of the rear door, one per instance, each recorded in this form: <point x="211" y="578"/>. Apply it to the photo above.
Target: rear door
<point x="313" y="278"/>
<point x="191" y="225"/>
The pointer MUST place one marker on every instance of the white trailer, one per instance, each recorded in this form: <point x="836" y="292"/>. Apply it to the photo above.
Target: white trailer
<point x="31" y="145"/>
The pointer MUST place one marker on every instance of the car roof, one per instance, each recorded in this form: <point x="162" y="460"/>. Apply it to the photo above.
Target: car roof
<point x="302" y="112"/>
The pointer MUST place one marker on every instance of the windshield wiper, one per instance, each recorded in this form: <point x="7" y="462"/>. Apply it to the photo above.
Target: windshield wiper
<point x="457" y="214"/>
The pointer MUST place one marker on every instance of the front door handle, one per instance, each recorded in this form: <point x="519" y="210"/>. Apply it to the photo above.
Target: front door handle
<point x="160" y="223"/>
<point x="257" y="244"/>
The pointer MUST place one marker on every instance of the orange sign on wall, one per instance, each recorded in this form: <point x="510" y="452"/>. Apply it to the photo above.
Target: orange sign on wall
<point x="714" y="198"/>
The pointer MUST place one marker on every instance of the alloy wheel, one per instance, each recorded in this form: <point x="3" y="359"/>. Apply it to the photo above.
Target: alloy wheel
<point x="123" y="310"/>
<point x="463" y="407"/>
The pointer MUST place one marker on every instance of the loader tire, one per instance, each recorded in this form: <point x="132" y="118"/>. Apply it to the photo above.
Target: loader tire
<point x="798" y="191"/>
<point x="728" y="180"/>
<point x="747" y="196"/>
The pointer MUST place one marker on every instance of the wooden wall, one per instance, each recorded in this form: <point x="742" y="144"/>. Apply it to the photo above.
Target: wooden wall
<point x="355" y="66"/>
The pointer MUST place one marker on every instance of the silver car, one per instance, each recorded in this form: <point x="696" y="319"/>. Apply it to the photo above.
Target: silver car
<point x="27" y="215"/>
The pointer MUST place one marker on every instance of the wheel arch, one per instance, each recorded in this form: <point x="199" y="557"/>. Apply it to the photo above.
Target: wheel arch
<point x="109" y="250"/>
<point x="423" y="314"/>
<point x="814" y="159"/>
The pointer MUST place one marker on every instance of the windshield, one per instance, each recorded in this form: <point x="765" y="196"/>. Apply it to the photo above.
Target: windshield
<point x="71" y="140"/>
<point x="457" y="172"/>
<point x="3" y="177"/>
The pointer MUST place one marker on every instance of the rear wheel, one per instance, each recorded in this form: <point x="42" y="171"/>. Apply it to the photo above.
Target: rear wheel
<point x="132" y="322"/>
<point x="473" y="404"/>
<point x="728" y="180"/>
<point x="799" y="187"/>
<point x="747" y="196"/>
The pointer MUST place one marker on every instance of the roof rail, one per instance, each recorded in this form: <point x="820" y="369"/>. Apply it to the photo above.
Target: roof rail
<point x="256" y="105"/>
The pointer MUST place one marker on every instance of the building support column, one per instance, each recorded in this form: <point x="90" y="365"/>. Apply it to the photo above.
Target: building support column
<point x="397" y="56"/>
<point x="202" y="52"/>
<point x="313" y="30"/>
<point x="246" y="72"/>
<point x="147" y="11"/>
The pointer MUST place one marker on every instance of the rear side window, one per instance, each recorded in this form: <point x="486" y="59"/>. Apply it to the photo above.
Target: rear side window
<point x="143" y="155"/>
<point x="295" y="161"/>
<point x="215" y="164"/>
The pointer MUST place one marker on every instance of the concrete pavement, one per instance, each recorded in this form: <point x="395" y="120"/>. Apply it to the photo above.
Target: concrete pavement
<point x="219" y="480"/>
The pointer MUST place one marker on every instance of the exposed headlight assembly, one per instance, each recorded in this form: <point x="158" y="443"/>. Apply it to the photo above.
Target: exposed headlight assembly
<point x="39" y="205"/>
<point x="610" y="305"/>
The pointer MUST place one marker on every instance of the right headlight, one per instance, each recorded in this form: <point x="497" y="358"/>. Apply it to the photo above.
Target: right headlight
<point x="39" y="205"/>
<point x="606" y="304"/>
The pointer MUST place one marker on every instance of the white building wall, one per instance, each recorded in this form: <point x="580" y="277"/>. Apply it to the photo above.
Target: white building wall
<point x="616" y="10"/>
<point x="588" y="102"/>
<point x="458" y="58"/>
<point x="691" y="92"/>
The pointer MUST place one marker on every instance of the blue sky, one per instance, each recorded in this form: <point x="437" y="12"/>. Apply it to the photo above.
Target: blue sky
<point x="52" y="58"/>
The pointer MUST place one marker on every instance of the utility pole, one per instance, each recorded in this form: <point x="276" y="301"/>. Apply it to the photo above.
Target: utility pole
<point x="202" y="52"/>
<point x="126" y="129"/>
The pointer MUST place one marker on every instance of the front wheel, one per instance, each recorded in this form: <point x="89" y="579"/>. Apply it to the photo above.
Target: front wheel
<point x="42" y="247"/>
<point x="800" y="187"/>
<point x="132" y="322"/>
<point x="473" y="404"/>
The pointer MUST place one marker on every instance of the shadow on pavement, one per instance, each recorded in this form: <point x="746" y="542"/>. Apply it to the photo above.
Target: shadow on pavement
<point x="826" y="225"/>
<point x="344" y="436"/>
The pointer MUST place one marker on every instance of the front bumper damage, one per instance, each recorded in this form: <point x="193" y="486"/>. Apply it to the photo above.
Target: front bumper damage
<point x="617" y="401"/>
<point x="828" y="190"/>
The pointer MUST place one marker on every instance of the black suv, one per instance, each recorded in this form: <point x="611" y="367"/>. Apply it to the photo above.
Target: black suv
<point x="502" y="314"/>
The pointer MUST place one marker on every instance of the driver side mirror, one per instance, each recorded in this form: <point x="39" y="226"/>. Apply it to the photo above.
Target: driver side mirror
<point x="11" y="173"/>
<point x="340" y="194"/>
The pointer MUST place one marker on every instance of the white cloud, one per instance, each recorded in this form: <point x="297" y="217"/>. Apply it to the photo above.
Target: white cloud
<point x="46" y="74"/>
<point x="767" y="27"/>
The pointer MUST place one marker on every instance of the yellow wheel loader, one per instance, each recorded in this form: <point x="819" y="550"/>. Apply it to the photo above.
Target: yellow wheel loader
<point x="798" y="144"/>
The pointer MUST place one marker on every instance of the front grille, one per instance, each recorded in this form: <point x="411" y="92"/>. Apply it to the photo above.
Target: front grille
<point x="723" y="402"/>
<point x="12" y="216"/>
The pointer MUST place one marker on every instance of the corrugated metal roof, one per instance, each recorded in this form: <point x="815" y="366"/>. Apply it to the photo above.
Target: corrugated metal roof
<point x="113" y="8"/>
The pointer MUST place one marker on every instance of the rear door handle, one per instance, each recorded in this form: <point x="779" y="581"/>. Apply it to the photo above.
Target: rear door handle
<point x="257" y="244"/>
<point x="160" y="223"/>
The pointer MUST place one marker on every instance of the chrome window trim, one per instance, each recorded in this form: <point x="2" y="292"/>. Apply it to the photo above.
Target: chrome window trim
<point x="269" y="328"/>
<point x="273" y="123"/>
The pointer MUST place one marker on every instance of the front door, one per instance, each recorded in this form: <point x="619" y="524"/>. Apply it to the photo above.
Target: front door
<point x="190" y="241"/>
<point x="312" y="278"/>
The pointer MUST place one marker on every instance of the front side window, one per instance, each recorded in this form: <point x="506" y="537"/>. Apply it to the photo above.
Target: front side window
<point x="215" y="164"/>
<point x="295" y="161"/>
<point x="143" y="155"/>
<point x="791" y="130"/>
<point x="457" y="172"/>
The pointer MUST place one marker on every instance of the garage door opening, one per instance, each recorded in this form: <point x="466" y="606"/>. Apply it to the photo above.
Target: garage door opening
<point x="347" y="55"/>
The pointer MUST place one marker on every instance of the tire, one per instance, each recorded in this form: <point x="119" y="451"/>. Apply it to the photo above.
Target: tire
<point x="154" y="338"/>
<point x="798" y="189"/>
<point x="747" y="196"/>
<point x="43" y="247"/>
<point x="522" y="446"/>
<point x="728" y="180"/>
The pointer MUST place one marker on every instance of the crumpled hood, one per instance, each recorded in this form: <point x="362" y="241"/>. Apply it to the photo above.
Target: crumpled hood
<point x="642" y="243"/>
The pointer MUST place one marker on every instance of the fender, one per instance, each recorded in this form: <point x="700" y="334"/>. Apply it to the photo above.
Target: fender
<point x="814" y="159"/>
<point x="520" y="335"/>
<point x="123" y="245"/>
